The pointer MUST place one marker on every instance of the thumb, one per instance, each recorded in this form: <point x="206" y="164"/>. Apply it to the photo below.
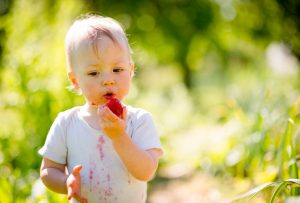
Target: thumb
<point x="77" y="169"/>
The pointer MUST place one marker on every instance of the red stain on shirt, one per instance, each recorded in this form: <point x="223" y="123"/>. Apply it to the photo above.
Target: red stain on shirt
<point x="91" y="174"/>
<point x="100" y="146"/>
<point x="108" y="177"/>
<point x="129" y="181"/>
<point x="108" y="192"/>
<point x="91" y="179"/>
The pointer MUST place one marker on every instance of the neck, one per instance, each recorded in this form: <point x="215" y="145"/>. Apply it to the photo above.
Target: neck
<point x="90" y="109"/>
<point x="89" y="114"/>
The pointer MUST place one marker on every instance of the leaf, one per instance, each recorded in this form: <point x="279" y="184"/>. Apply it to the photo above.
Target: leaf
<point x="250" y="194"/>
<point x="277" y="191"/>
<point x="283" y="185"/>
<point x="279" y="186"/>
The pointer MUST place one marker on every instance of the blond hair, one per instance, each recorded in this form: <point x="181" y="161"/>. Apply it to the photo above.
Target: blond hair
<point x="91" y="28"/>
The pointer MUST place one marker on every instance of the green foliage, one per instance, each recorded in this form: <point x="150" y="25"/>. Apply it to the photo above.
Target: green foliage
<point x="287" y="162"/>
<point x="32" y="89"/>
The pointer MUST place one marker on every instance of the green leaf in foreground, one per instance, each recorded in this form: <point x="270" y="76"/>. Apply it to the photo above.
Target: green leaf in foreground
<point x="250" y="194"/>
<point x="279" y="186"/>
<point x="282" y="185"/>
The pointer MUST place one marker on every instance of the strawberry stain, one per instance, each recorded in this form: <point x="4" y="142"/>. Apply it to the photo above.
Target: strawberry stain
<point x="100" y="147"/>
<point x="108" y="177"/>
<point x="129" y="181"/>
<point x="91" y="175"/>
<point x="91" y="178"/>
<point x="108" y="192"/>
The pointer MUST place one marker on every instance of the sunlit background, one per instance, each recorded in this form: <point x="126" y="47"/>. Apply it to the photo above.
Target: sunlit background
<point x="221" y="78"/>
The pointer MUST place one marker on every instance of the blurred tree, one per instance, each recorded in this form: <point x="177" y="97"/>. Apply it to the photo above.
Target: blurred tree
<point x="186" y="31"/>
<point x="4" y="9"/>
<point x="4" y="6"/>
<point x="291" y="24"/>
<point x="165" y="28"/>
<point x="32" y="78"/>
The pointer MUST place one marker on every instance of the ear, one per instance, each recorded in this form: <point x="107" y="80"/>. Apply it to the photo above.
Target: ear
<point x="73" y="80"/>
<point x="131" y="70"/>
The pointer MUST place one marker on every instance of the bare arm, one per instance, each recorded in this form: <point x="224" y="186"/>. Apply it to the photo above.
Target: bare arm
<point x="54" y="176"/>
<point x="142" y="164"/>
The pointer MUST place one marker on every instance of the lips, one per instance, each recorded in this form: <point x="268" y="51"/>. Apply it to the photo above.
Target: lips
<point x="109" y="95"/>
<point x="104" y="98"/>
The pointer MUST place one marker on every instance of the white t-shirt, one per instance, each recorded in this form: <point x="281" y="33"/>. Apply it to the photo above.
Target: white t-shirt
<point x="104" y="177"/>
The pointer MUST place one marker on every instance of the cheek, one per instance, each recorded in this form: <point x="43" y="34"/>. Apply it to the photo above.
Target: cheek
<point x="88" y="86"/>
<point x="126" y="84"/>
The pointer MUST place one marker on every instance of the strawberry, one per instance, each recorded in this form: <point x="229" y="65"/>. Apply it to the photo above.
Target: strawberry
<point x="115" y="106"/>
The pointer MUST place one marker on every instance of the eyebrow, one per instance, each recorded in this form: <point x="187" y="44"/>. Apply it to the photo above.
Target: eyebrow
<point x="121" y="63"/>
<point x="90" y="66"/>
<point x="118" y="63"/>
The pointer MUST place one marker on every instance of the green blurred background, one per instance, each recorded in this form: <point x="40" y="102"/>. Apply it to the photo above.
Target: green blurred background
<point x="221" y="78"/>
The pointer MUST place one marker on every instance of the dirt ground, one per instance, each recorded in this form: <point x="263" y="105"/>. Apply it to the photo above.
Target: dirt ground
<point x="200" y="188"/>
<point x="197" y="187"/>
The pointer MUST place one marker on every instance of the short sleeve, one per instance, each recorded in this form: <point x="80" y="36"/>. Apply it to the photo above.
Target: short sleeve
<point x="144" y="132"/>
<point x="55" y="147"/>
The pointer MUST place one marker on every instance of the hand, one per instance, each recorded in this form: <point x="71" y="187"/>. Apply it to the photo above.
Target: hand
<point x="112" y="125"/>
<point x="74" y="185"/>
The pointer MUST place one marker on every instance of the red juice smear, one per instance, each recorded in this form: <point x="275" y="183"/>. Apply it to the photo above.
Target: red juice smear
<point x="108" y="192"/>
<point x="108" y="177"/>
<point x="91" y="179"/>
<point x="91" y="174"/>
<point x="100" y="147"/>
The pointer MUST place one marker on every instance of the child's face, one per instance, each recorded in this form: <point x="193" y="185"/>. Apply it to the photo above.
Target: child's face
<point x="102" y="71"/>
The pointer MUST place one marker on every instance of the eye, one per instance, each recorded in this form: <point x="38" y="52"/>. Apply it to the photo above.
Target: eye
<point x="93" y="73"/>
<point x="117" y="70"/>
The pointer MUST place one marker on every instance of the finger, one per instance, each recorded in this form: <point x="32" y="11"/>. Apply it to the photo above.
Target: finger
<point x="100" y="109"/>
<point x="112" y="117"/>
<point x="77" y="169"/>
<point x="80" y="198"/>
<point x="83" y="200"/>
<point x="102" y="113"/>
<point x="124" y="115"/>
<point x="70" y="193"/>
<point x="108" y="115"/>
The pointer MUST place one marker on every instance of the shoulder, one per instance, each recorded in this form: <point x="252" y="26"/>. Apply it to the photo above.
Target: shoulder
<point x="138" y="118"/>
<point x="134" y="113"/>
<point x="142" y="129"/>
<point x="66" y="116"/>
<point x="69" y="112"/>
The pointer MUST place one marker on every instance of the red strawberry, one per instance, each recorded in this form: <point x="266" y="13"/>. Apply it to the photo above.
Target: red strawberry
<point x="115" y="106"/>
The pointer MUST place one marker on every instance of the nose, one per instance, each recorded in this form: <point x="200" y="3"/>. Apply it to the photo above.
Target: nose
<point x="108" y="79"/>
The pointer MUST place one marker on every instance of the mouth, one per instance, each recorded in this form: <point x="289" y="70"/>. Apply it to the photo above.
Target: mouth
<point x="109" y="95"/>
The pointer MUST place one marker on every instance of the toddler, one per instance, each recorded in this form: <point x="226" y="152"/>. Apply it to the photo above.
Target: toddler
<point x="91" y="154"/>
